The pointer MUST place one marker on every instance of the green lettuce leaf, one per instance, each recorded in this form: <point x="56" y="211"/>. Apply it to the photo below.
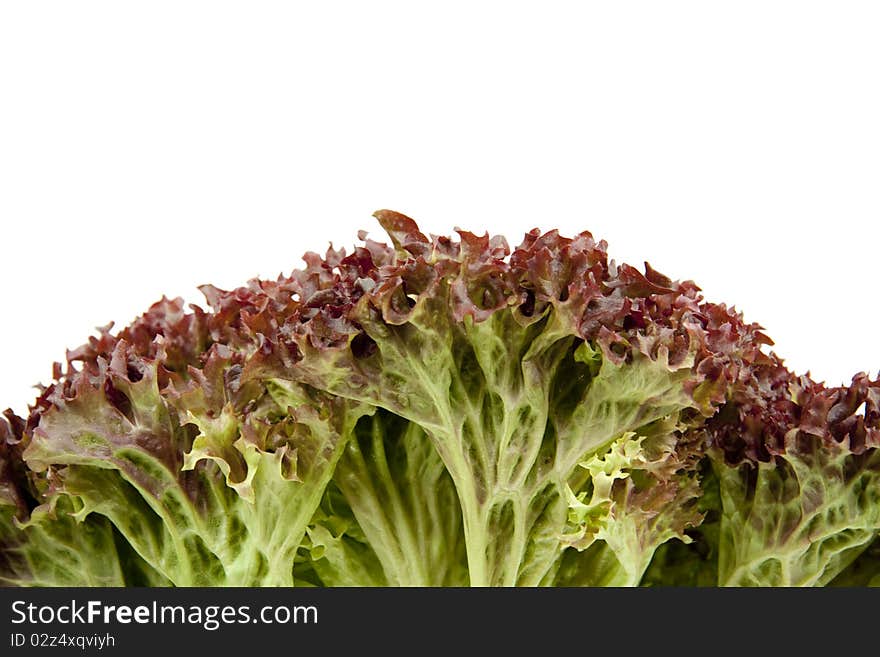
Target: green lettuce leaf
<point x="209" y="484"/>
<point x="799" y="474"/>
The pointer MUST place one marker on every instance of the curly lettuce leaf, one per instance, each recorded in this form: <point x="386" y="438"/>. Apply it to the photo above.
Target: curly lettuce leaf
<point x="799" y="474"/>
<point x="639" y="494"/>
<point x="207" y="483"/>
<point x="516" y="365"/>
<point x="799" y="520"/>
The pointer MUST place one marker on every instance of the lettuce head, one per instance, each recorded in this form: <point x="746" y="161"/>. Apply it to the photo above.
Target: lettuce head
<point x="441" y="411"/>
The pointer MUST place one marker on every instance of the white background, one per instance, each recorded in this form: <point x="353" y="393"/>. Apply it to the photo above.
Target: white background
<point x="146" y="148"/>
